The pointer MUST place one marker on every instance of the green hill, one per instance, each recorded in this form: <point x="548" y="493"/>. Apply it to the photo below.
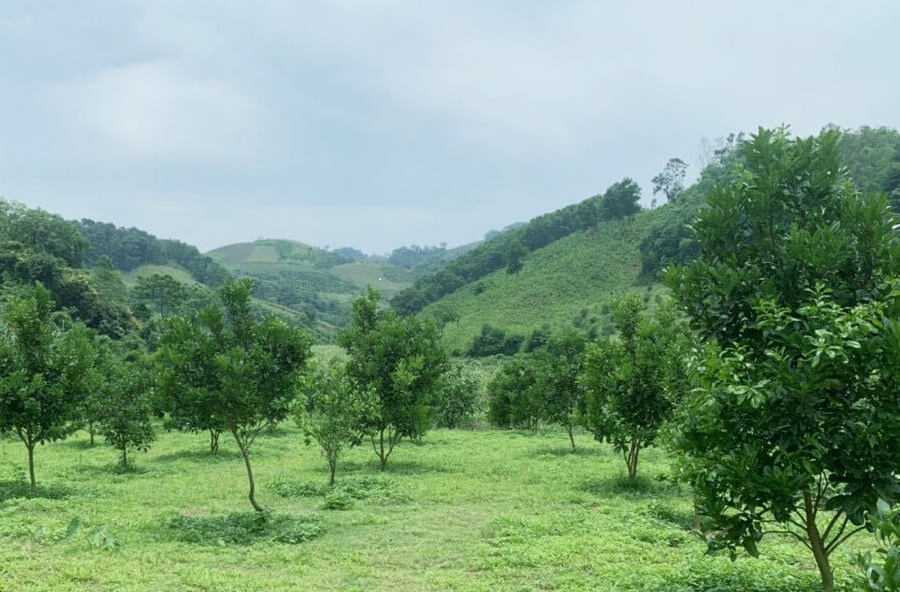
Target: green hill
<point x="572" y="264"/>
<point x="568" y="282"/>
<point x="316" y="283"/>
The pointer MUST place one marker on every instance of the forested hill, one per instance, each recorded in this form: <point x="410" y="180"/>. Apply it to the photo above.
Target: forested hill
<point x="318" y="283"/>
<point x="131" y="248"/>
<point x="561" y="269"/>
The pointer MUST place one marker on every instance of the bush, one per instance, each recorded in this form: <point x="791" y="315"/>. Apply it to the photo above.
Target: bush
<point x="338" y="499"/>
<point x="456" y="399"/>
<point x="493" y="341"/>
<point x="245" y="528"/>
<point x="288" y="488"/>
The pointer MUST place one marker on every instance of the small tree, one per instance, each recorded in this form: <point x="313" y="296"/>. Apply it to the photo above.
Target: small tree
<point x="332" y="412"/>
<point x="400" y="359"/>
<point x="627" y="400"/>
<point x="793" y="424"/>
<point x="42" y="370"/>
<point x="559" y="366"/>
<point x="513" y="397"/>
<point x="244" y="371"/>
<point x="514" y="257"/>
<point x="125" y="420"/>
<point x="456" y="398"/>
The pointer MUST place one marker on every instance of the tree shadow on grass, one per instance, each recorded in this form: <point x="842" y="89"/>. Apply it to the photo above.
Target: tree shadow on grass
<point x="198" y="455"/>
<point x="19" y="488"/>
<point x="399" y="466"/>
<point x="737" y="578"/>
<point x="640" y="486"/>
<point x="82" y="472"/>
<point x="564" y="450"/>
<point x="80" y="444"/>
<point x="245" y="528"/>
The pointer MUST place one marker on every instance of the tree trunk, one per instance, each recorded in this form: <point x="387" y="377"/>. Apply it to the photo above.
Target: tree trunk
<point x="571" y="437"/>
<point x="381" y="454"/>
<point x="817" y="545"/>
<point x="332" y="464"/>
<point x="214" y="441"/>
<point x="631" y="458"/>
<point x="252" y="495"/>
<point x="125" y="458"/>
<point x="30" y="447"/>
<point x="91" y="431"/>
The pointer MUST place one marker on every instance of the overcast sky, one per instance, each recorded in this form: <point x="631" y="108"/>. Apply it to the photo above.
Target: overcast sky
<point x="377" y="123"/>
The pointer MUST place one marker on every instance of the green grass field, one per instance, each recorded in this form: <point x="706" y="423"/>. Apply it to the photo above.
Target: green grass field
<point x="460" y="510"/>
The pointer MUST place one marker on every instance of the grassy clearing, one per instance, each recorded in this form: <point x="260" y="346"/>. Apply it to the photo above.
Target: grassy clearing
<point x="130" y="278"/>
<point x="387" y="278"/>
<point x="461" y="510"/>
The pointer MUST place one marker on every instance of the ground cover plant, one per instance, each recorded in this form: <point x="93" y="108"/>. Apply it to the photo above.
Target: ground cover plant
<point x="473" y="510"/>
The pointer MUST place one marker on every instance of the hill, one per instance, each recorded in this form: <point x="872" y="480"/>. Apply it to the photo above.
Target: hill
<point x="568" y="282"/>
<point x="571" y="262"/>
<point x="316" y="283"/>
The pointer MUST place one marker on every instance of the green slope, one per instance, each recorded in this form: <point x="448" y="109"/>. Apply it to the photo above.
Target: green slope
<point x="316" y="283"/>
<point x="568" y="282"/>
<point x="176" y="272"/>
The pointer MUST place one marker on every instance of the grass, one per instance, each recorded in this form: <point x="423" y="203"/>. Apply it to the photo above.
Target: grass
<point x="460" y="510"/>
<point x="130" y="278"/>
<point x="385" y="277"/>
<point x="568" y="281"/>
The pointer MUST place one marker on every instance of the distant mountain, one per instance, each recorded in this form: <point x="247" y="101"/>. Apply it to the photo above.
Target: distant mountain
<point x="320" y="284"/>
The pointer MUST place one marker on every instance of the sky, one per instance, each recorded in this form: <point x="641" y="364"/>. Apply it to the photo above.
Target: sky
<point x="380" y="123"/>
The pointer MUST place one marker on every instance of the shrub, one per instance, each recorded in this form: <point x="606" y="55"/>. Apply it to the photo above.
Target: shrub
<point x="245" y="528"/>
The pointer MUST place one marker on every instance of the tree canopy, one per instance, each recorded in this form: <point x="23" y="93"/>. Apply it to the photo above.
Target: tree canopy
<point x="795" y="413"/>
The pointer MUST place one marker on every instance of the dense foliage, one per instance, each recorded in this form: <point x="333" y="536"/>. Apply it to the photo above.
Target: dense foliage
<point x="241" y="370"/>
<point x="793" y="424"/>
<point x="331" y="412"/>
<point x="401" y="360"/>
<point x="129" y="248"/>
<point x="493" y="341"/>
<point x="44" y="369"/>
<point x="413" y="256"/>
<point x="630" y="379"/>
<point x="126" y="412"/>
<point x="456" y="398"/>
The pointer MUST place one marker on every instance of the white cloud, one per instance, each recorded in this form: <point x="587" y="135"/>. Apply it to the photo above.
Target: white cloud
<point x="161" y="112"/>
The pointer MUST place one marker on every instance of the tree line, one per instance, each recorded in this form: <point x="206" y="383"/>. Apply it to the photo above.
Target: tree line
<point x="129" y="248"/>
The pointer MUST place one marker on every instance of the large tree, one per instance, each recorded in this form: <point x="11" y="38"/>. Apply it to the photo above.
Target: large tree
<point x="44" y="369"/>
<point x="241" y="370"/>
<point x="794" y="423"/>
<point x="400" y="359"/>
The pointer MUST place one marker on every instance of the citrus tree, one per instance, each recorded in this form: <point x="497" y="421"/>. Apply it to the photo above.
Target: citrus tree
<point x="794" y="423"/>
<point x="241" y="370"/>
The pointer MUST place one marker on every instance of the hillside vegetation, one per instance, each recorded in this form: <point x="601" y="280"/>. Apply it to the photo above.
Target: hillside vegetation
<point x="573" y="261"/>
<point x="569" y="282"/>
<point x="313" y="282"/>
